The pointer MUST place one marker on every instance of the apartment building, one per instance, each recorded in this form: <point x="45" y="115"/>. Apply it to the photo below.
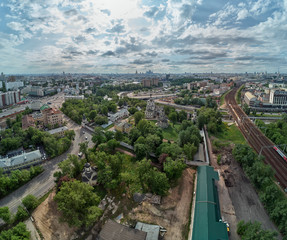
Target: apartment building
<point x="52" y="116"/>
<point x="9" y="98"/>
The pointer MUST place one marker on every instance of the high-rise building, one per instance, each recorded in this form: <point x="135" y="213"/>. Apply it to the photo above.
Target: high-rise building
<point x="9" y="98"/>
<point x="150" y="82"/>
<point x="2" y="78"/>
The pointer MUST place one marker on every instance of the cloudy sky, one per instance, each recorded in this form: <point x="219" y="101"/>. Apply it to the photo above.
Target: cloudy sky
<point x="103" y="36"/>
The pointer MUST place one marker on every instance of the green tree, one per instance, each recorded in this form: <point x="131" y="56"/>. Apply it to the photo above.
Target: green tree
<point x="21" y="214"/>
<point x="173" y="150"/>
<point x="138" y="116"/>
<point x="201" y="121"/>
<point x="254" y="231"/>
<point x="92" y="114"/>
<point x="84" y="148"/>
<point x="173" y="117"/>
<point x="140" y="150"/>
<point x="19" y="232"/>
<point x="134" y="135"/>
<point x="119" y="135"/>
<point x="5" y="214"/>
<point x="143" y="126"/>
<point x="158" y="182"/>
<point x="182" y="115"/>
<point x="173" y="168"/>
<point x="30" y="202"/>
<point x="189" y="150"/>
<point x="132" y="110"/>
<point x="78" y="203"/>
<point x="100" y="120"/>
<point x="246" y="109"/>
<point x="152" y="142"/>
<point x="112" y="144"/>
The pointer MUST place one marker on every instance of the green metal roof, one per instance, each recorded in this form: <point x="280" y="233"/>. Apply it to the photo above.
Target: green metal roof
<point x="206" y="224"/>
<point x="45" y="106"/>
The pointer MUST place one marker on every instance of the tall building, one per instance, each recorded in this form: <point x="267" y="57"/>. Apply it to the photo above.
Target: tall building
<point x="2" y="78"/>
<point x="278" y="97"/>
<point x="9" y="98"/>
<point x="150" y="82"/>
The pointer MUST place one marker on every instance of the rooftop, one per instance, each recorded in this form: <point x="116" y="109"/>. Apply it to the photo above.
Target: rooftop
<point x="58" y="130"/>
<point x="151" y="230"/>
<point x="115" y="231"/>
<point x="19" y="159"/>
<point x="249" y="95"/>
<point x="207" y="224"/>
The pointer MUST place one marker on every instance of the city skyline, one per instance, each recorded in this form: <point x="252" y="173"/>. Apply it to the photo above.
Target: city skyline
<point x="123" y="36"/>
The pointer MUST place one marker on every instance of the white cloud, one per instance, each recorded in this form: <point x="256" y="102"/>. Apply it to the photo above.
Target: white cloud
<point x="242" y="14"/>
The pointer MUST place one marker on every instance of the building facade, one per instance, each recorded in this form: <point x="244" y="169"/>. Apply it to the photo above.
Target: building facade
<point x="9" y="98"/>
<point x="250" y="99"/>
<point x="150" y="82"/>
<point x="154" y="111"/>
<point x="52" y="117"/>
<point x="278" y="97"/>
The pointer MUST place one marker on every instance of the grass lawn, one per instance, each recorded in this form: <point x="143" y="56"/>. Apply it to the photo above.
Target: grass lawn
<point x="238" y="94"/>
<point x="230" y="134"/>
<point x="108" y="127"/>
<point x="223" y="96"/>
<point x="171" y="133"/>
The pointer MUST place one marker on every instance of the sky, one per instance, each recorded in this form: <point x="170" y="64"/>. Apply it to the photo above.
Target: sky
<point x="125" y="36"/>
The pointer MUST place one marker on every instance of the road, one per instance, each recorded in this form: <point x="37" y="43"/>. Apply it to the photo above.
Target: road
<point x="44" y="182"/>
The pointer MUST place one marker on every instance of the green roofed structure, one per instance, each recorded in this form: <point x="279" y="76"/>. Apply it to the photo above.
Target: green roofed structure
<point x="207" y="223"/>
<point x="45" y="106"/>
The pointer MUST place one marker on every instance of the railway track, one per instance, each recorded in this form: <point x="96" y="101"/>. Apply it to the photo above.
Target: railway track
<point x="257" y="140"/>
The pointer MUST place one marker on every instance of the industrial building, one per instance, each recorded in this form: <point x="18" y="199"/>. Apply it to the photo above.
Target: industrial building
<point x="250" y="99"/>
<point x="207" y="222"/>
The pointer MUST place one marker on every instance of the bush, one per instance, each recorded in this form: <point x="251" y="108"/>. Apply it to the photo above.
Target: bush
<point x="21" y="214"/>
<point x="30" y="202"/>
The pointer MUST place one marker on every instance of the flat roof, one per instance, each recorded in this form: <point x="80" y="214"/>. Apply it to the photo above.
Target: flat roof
<point x="58" y="130"/>
<point x="207" y="223"/>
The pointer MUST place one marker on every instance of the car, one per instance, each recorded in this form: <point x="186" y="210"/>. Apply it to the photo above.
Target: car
<point x="86" y="138"/>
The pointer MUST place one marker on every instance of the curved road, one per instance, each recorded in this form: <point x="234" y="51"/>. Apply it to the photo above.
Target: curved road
<point x="44" y="182"/>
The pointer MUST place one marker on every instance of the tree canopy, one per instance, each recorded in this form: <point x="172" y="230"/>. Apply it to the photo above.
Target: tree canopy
<point x="78" y="203"/>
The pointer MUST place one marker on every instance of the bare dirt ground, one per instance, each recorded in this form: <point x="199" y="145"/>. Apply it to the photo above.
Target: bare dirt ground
<point x="238" y="198"/>
<point x="47" y="220"/>
<point x="173" y="214"/>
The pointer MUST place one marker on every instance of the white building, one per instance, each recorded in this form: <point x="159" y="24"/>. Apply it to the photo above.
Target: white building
<point x="80" y="97"/>
<point x="36" y="105"/>
<point x="9" y="98"/>
<point x="250" y="99"/>
<point x="21" y="161"/>
<point x="278" y="97"/>
<point x="14" y="85"/>
<point x="120" y="114"/>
